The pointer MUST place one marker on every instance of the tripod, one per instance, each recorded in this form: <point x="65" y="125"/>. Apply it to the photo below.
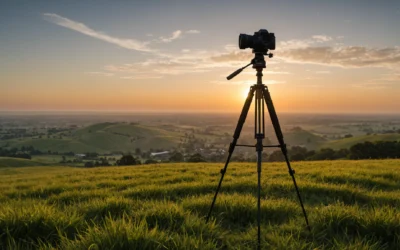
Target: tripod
<point x="262" y="96"/>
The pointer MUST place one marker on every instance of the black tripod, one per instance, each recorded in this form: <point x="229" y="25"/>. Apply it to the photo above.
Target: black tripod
<point x="262" y="95"/>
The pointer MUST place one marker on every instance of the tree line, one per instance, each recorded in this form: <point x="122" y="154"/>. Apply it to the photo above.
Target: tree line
<point x="364" y="150"/>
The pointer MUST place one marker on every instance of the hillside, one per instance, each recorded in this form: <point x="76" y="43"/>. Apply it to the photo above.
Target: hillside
<point x="103" y="138"/>
<point x="350" y="205"/>
<point x="348" y="142"/>
<point x="300" y="137"/>
<point x="6" y="162"/>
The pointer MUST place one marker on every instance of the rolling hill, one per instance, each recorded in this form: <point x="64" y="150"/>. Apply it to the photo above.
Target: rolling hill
<point x="300" y="137"/>
<point x="348" y="142"/>
<point x="17" y="162"/>
<point x="103" y="138"/>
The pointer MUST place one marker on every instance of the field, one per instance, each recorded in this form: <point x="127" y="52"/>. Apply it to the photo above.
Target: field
<point x="17" y="162"/>
<point x="351" y="205"/>
<point x="348" y="142"/>
<point x="102" y="137"/>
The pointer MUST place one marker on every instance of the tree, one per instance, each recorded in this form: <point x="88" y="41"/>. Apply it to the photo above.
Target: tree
<point x="342" y="153"/>
<point x="196" y="158"/>
<point x="276" y="156"/>
<point x="127" y="160"/>
<point x="348" y="136"/>
<point x="324" y="154"/>
<point x="298" y="153"/>
<point x="176" y="157"/>
<point x="239" y="157"/>
<point x="89" y="164"/>
<point x="150" y="161"/>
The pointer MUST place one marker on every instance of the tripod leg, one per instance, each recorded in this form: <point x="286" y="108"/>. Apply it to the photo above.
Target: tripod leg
<point x="259" y="147"/>
<point x="279" y="135"/>
<point x="236" y="135"/>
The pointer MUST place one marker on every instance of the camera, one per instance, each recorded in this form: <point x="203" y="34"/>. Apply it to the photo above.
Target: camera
<point x="260" y="42"/>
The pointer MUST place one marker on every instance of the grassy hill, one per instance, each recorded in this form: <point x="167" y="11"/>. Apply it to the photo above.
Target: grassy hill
<point x="17" y="162"/>
<point x="350" y="204"/>
<point x="348" y="142"/>
<point x="104" y="137"/>
<point x="297" y="137"/>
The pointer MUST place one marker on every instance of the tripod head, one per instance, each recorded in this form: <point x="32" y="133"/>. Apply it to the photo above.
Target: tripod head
<point x="258" y="63"/>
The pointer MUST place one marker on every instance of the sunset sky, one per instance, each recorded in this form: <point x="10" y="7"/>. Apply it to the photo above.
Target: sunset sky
<point x="331" y="56"/>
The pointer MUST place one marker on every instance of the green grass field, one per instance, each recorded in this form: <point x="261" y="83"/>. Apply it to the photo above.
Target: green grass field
<point x="348" y="142"/>
<point x="351" y="205"/>
<point x="6" y="162"/>
<point x="102" y="138"/>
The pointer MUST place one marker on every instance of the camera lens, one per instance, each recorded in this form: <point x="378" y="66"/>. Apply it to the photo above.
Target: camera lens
<point x="245" y="41"/>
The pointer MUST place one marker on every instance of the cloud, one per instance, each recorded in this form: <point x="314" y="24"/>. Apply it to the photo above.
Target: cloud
<point x="100" y="73"/>
<point x="175" y="35"/>
<point x="390" y="77"/>
<point x="267" y="72"/>
<point x="304" y="43"/>
<point x="322" y="38"/>
<point x="344" y="56"/>
<point x="247" y="82"/>
<point x="82" y="28"/>
<point x="140" y="77"/>
<point x="185" y="62"/>
<point x="192" y="32"/>
<point x="159" y="67"/>
<point x="234" y="56"/>
<point x="323" y="72"/>
<point x="317" y="50"/>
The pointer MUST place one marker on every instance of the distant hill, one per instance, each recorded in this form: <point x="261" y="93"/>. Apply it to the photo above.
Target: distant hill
<point x="348" y="142"/>
<point x="300" y="137"/>
<point x="105" y="137"/>
<point x="17" y="162"/>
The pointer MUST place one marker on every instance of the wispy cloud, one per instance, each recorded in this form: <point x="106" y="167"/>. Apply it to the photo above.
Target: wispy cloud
<point x="267" y="72"/>
<point x="82" y="28"/>
<point x="100" y="73"/>
<point x="305" y="43"/>
<point x="322" y="38"/>
<point x="320" y="49"/>
<point x="344" y="56"/>
<point x="175" y="35"/>
<point x="247" y="82"/>
<point x="128" y="43"/>
<point x="140" y="77"/>
<point x="387" y="78"/>
<point x="192" y="32"/>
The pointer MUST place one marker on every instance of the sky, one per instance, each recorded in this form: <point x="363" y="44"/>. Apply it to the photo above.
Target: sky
<point x="174" y="56"/>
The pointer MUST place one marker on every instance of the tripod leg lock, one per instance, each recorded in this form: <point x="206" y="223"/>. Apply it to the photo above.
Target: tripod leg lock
<point x="222" y="171"/>
<point x="292" y="172"/>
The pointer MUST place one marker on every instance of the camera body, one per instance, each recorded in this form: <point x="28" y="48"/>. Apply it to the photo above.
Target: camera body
<point x="260" y="42"/>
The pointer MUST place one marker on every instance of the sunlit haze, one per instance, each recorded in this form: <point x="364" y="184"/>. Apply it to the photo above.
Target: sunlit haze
<point x="174" y="56"/>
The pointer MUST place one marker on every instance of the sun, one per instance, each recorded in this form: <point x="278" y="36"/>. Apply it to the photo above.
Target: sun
<point x="244" y="93"/>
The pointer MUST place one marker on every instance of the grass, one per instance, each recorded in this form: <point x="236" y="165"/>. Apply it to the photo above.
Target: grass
<point x="351" y="205"/>
<point x="108" y="137"/>
<point x="348" y="142"/>
<point x="103" y="138"/>
<point x="6" y="162"/>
